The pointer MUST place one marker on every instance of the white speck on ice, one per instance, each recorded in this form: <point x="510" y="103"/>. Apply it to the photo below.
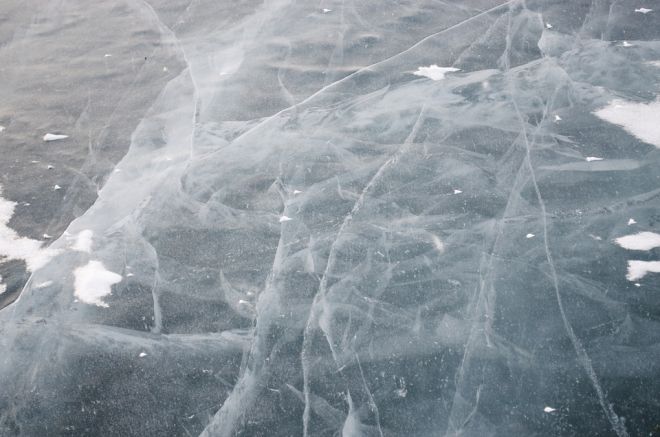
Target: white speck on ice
<point x="557" y="118"/>
<point x="296" y="192"/>
<point x="107" y="55"/>
<point x="637" y="284"/>
<point x="2" y="128"/>
<point x="631" y="222"/>
<point x="654" y="63"/>
<point x="43" y="284"/>
<point x="639" y="241"/>
<point x="434" y="72"/>
<point x="549" y="409"/>
<point x="639" y="269"/>
<point x="165" y="69"/>
<point x="626" y="44"/>
<point x="142" y="355"/>
<point x="643" y="10"/>
<point x="54" y="137"/>
<point x="129" y="274"/>
<point x="83" y="241"/>
<point x="325" y="10"/>
<point x="638" y="119"/>
<point x="593" y="158"/>
<point x="93" y="282"/>
<point x="285" y="219"/>
<point x="457" y="191"/>
<point x="56" y="187"/>
<point x="47" y="237"/>
<point x="529" y="236"/>
<point x="548" y="26"/>
<point x="50" y="167"/>
<point x="13" y="246"/>
<point x="595" y="237"/>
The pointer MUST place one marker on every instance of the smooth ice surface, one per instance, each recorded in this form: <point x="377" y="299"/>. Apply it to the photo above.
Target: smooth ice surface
<point x="361" y="218"/>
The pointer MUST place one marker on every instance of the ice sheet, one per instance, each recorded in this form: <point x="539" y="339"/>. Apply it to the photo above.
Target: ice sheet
<point x="373" y="218"/>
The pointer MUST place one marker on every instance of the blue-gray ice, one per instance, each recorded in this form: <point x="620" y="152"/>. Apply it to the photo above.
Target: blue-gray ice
<point x="330" y="218"/>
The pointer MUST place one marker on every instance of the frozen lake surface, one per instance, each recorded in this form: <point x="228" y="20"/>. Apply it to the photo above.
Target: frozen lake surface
<point x="331" y="218"/>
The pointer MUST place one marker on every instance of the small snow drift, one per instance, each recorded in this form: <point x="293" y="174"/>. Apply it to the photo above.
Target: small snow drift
<point x="93" y="282"/>
<point x="435" y="72"/>
<point x="639" y="269"/>
<point x="54" y="137"/>
<point x="638" y="119"/>
<point x="639" y="241"/>
<point x="13" y="246"/>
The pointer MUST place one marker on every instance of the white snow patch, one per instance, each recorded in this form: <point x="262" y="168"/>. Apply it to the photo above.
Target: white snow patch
<point x="548" y="26"/>
<point x="557" y="118"/>
<point x="638" y="119"/>
<point x="285" y="219"/>
<point x="93" y="282"/>
<point x="549" y="409"/>
<point x="296" y="192"/>
<point x="142" y="354"/>
<point x="434" y="72"/>
<point x="639" y="269"/>
<point x="631" y="222"/>
<point x="457" y="191"/>
<point x="326" y="10"/>
<point x="56" y="187"/>
<point x="530" y="236"/>
<point x="54" y="137"/>
<point x="639" y="241"/>
<point x="50" y="167"/>
<point x="643" y="10"/>
<point x="626" y="44"/>
<point x="83" y="241"/>
<point x="654" y="63"/>
<point x="593" y="158"/>
<point x="637" y="284"/>
<point x="2" y="128"/>
<point x="13" y="246"/>
<point x="43" y="284"/>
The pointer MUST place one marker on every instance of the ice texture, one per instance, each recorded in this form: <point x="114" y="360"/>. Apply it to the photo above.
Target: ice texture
<point x="305" y="238"/>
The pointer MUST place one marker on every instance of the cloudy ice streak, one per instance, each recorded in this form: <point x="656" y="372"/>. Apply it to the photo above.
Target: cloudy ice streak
<point x="93" y="282"/>
<point x="15" y="247"/>
<point x="638" y="119"/>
